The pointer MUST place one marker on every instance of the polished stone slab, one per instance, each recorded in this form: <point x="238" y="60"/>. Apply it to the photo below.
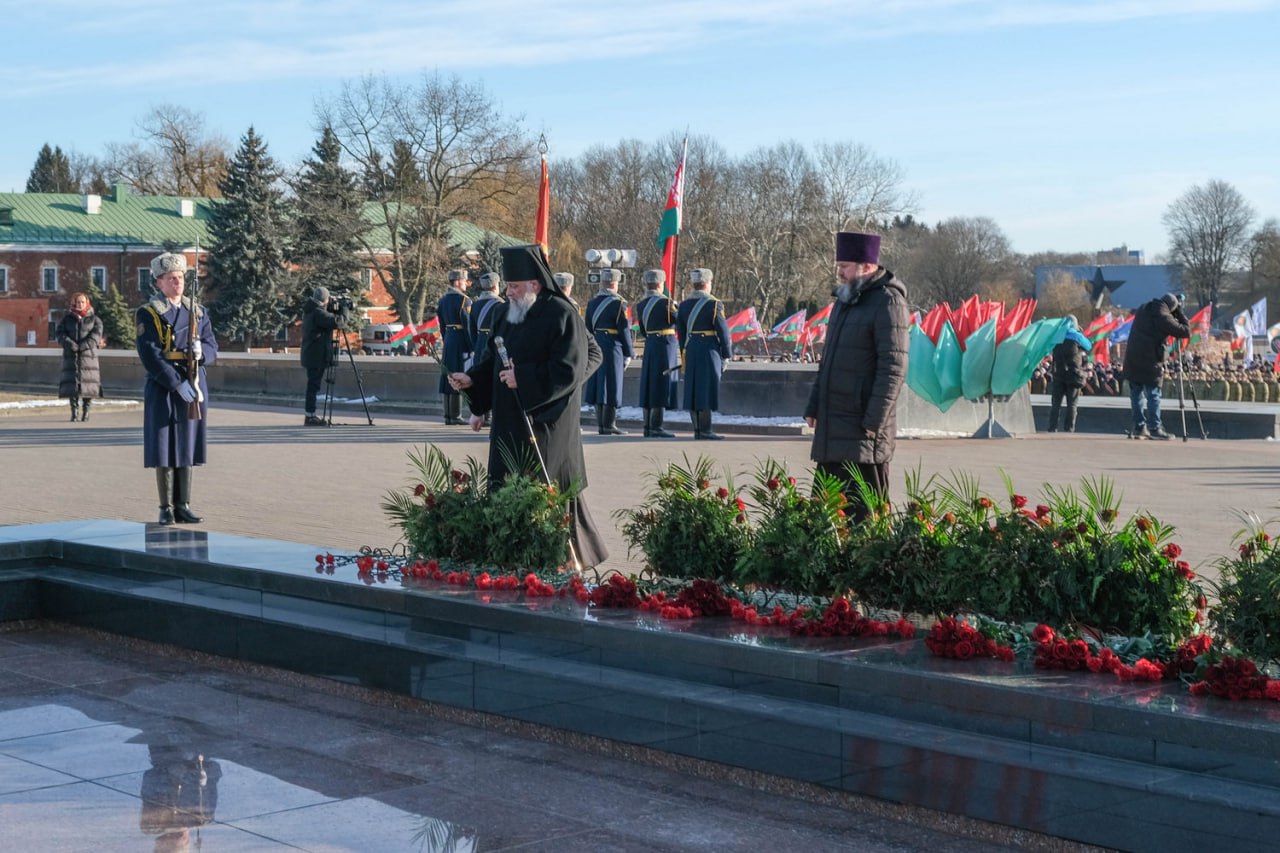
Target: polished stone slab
<point x="882" y="718"/>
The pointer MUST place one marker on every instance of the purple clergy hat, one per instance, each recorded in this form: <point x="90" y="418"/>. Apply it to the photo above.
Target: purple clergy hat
<point x="857" y="248"/>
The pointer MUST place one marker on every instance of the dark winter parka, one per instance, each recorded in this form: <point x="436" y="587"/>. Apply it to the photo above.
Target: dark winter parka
<point x="318" y="325"/>
<point x="80" y="338"/>
<point x="863" y="367"/>
<point x="1069" y="360"/>
<point x="1144" y="355"/>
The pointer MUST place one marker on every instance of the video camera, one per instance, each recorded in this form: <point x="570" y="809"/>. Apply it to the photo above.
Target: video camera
<point x="341" y="304"/>
<point x="602" y="263"/>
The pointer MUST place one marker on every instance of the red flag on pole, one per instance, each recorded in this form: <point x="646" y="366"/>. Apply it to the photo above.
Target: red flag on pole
<point x="542" y="226"/>
<point x="669" y="230"/>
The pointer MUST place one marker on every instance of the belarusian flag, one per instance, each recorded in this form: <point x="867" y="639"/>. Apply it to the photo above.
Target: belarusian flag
<point x="790" y="328"/>
<point x="1200" y="325"/>
<point x="429" y="333"/>
<point x="408" y="331"/>
<point x="669" y="230"/>
<point x="743" y="325"/>
<point x="816" y="329"/>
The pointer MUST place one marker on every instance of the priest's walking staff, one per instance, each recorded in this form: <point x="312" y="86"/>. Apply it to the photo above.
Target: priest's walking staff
<point x="500" y="345"/>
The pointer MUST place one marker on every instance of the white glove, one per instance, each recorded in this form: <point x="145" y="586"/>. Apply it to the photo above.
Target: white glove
<point x="197" y="351"/>
<point x="626" y="362"/>
<point x="187" y="392"/>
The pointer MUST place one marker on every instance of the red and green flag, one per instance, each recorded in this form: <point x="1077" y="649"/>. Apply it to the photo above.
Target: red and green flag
<point x="1199" y="324"/>
<point x="790" y="328"/>
<point x="669" y="230"/>
<point x="816" y="329"/>
<point x="743" y="325"/>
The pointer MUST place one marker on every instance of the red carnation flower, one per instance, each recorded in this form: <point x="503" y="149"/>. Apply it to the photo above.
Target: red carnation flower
<point x="722" y="493"/>
<point x="1043" y="634"/>
<point x="418" y="490"/>
<point x="772" y="484"/>
<point x="1018" y="501"/>
<point x="1042" y="510"/>
<point x="1172" y="551"/>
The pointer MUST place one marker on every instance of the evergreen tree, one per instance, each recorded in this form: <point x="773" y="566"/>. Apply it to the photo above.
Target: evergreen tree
<point x="51" y="173"/>
<point x="328" y="224"/>
<point x="246" y="261"/>
<point x="117" y="319"/>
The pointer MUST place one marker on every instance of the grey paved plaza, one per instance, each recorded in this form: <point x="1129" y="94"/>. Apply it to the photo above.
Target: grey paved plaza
<point x="87" y="719"/>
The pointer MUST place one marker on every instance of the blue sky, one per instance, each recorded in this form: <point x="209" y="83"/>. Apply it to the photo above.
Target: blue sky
<point x="1072" y="124"/>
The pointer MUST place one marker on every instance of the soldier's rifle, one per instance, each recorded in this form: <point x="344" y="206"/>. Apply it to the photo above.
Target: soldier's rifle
<point x="193" y="335"/>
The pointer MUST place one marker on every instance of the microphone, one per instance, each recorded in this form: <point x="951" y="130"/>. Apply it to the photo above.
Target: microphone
<point x="501" y="346"/>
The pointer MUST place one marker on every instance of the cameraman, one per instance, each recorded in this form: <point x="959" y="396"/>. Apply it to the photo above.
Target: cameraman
<point x="1144" y="360"/>
<point x="320" y="317"/>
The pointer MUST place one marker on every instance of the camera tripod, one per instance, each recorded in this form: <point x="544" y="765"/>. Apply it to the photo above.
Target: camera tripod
<point x="331" y="377"/>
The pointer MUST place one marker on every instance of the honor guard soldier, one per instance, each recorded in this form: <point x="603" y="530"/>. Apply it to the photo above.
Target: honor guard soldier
<point x="660" y="366"/>
<point x="484" y="312"/>
<point x="454" y="311"/>
<point x="607" y="321"/>
<point x="565" y="282"/>
<point x="705" y="346"/>
<point x="172" y="440"/>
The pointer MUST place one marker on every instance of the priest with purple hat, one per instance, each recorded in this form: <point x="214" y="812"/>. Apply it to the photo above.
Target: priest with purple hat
<point x="535" y="363"/>
<point x="853" y="404"/>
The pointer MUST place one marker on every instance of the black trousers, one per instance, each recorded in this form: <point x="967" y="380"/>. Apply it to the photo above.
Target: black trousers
<point x="1059" y="391"/>
<point x="876" y="475"/>
<point x="315" y="375"/>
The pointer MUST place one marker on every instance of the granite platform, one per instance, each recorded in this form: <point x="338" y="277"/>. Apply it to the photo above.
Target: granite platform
<point x="1081" y="757"/>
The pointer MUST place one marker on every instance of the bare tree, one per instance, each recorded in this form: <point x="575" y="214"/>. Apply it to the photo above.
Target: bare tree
<point x="963" y="256"/>
<point x="1208" y="229"/>
<point x="472" y="163"/>
<point x="780" y="241"/>
<point x="1263" y="255"/>
<point x="175" y="157"/>
<point x="860" y="189"/>
<point x="1064" y="294"/>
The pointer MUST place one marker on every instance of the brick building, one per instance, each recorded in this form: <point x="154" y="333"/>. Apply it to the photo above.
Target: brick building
<point x="53" y="245"/>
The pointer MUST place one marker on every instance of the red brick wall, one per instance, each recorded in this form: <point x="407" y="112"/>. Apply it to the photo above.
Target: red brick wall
<point x="27" y="315"/>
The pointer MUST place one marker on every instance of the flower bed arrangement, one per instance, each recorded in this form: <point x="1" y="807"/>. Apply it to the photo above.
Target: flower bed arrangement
<point x="1067" y="583"/>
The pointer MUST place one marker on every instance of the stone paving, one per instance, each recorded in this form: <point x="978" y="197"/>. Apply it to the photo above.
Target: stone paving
<point x="271" y="477"/>
<point x="85" y="718"/>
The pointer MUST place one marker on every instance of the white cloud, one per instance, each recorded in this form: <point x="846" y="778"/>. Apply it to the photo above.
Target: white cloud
<point x="226" y="41"/>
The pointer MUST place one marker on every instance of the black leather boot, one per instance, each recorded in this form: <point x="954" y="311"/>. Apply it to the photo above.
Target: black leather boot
<point x="655" y="426"/>
<point x="609" y="421"/>
<point x="84" y="409"/>
<point x="648" y="423"/>
<point x="704" y="426"/>
<point x="75" y="406"/>
<point x="164" y="485"/>
<point x="182" y="497"/>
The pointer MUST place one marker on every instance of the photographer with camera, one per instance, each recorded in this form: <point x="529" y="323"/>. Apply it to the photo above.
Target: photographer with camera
<point x="321" y="317"/>
<point x="1144" y="359"/>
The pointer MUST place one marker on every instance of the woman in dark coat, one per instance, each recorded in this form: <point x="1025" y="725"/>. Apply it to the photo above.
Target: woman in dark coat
<point x="80" y="333"/>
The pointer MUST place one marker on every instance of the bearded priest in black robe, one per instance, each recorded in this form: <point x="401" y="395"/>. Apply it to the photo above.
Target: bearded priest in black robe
<point x="546" y="342"/>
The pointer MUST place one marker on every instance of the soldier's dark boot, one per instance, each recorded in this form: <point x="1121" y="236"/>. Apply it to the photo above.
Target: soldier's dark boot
<point x="704" y="427"/>
<point x="609" y="425"/>
<point x="697" y="423"/>
<point x="75" y="407"/>
<point x="182" y="497"/>
<point x="600" y="428"/>
<point x="84" y="409"/>
<point x="655" y="428"/>
<point x="452" y="409"/>
<point x="164" y="485"/>
<point x="648" y="423"/>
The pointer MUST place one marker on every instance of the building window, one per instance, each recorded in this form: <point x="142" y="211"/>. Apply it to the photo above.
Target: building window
<point x="144" y="279"/>
<point x="366" y="279"/>
<point x="98" y="277"/>
<point x="4" y="279"/>
<point x="49" y="279"/>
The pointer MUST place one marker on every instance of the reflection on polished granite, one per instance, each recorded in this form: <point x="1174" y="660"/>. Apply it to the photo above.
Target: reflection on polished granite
<point x="173" y="757"/>
<point x="876" y="717"/>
